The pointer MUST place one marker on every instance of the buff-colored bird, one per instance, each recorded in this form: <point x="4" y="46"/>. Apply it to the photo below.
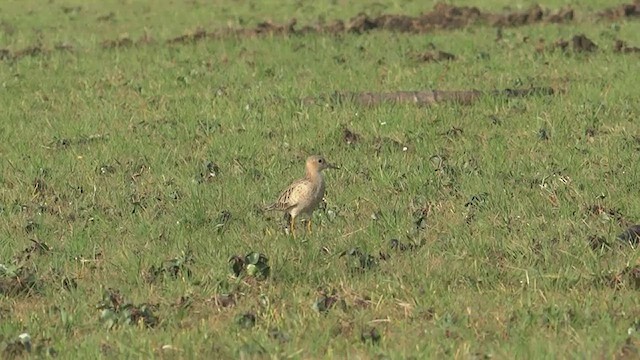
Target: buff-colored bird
<point x="303" y="195"/>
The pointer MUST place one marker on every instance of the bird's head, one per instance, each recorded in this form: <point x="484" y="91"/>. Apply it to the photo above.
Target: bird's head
<point x="317" y="163"/>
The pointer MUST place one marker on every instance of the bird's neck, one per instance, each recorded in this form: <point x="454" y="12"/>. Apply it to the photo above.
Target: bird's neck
<point x="314" y="176"/>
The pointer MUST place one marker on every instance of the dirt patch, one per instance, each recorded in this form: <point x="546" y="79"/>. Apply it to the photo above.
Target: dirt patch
<point x="629" y="277"/>
<point x="350" y="137"/>
<point x="443" y="16"/>
<point x="117" y="43"/>
<point x="111" y="16"/>
<point x="18" y="281"/>
<point x="32" y="51"/>
<point x="582" y="43"/>
<point x="126" y="41"/>
<point x="434" y="56"/>
<point x="71" y="9"/>
<point x="621" y="47"/>
<point x="22" y="347"/>
<point x="423" y="98"/>
<point x="35" y="248"/>
<point x="628" y="350"/>
<point x="534" y="15"/>
<point x="19" y="277"/>
<point x="578" y="44"/>
<point x="64" y="47"/>
<point x="622" y="11"/>
<point x="224" y="300"/>
<point x="191" y="37"/>
<point x="599" y="210"/>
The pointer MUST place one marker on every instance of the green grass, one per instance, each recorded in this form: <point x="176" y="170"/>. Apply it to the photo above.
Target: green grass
<point x="116" y="140"/>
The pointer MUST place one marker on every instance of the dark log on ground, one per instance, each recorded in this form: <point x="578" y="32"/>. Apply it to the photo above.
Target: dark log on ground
<point x="422" y="98"/>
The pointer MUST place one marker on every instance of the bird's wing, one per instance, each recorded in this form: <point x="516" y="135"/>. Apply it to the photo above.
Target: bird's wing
<point x="286" y="201"/>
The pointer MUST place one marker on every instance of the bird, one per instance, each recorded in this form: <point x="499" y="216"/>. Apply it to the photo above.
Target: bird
<point x="303" y="195"/>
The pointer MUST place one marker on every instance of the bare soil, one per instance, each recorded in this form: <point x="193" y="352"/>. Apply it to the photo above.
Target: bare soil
<point x="442" y="17"/>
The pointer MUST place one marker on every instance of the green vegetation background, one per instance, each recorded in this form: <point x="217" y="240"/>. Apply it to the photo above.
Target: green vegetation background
<point x="104" y="158"/>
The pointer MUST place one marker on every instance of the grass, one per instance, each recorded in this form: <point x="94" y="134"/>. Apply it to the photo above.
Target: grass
<point x="104" y="153"/>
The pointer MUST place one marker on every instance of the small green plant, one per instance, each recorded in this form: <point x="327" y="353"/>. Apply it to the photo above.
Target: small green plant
<point x="253" y="264"/>
<point x="115" y="311"/>
<point x="327" y="300"/>
<point x="359" y="261"/>
<point x="172" y="268"/>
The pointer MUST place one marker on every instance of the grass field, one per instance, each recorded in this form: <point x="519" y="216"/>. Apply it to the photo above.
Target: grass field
<point x="133" y="169"/>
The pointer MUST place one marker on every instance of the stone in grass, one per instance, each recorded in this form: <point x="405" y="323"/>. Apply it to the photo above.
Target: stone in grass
<point x="631" y="235"/>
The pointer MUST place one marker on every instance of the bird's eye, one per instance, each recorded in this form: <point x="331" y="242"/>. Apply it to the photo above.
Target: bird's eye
<point x="320" y="161"/>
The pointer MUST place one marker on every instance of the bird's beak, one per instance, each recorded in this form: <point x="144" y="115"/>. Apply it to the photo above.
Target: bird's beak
<point x="331" y="166"/>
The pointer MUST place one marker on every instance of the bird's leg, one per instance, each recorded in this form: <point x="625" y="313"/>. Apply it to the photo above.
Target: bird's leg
<point x="309" y="226"/>
<point x="292" y="226"/>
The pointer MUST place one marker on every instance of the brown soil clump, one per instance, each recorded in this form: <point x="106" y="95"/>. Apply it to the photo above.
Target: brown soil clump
<point x="443" y="16"/>
<point x="622" y="11"/>
<point x="578" y="44"/>
<point x="435" y="56"/>
<point x="621" y="47"/>
<point x="582" y="43"/>
<point x="126" y="41"/>
<point x="534" y="15"/>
